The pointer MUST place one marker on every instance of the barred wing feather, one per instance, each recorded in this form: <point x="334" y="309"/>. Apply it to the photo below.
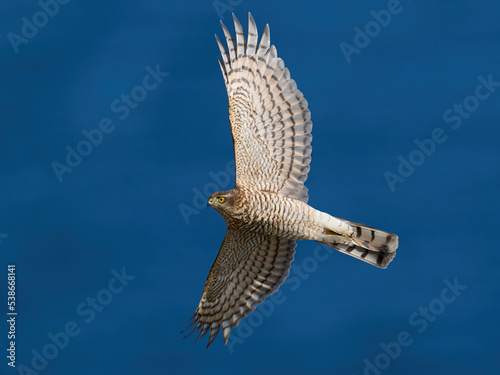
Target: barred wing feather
<point x="248" y="268"/>
<point x="270" y="122"/>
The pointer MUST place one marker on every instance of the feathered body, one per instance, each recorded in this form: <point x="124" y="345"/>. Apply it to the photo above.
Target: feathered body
<point x="270" y="214"/>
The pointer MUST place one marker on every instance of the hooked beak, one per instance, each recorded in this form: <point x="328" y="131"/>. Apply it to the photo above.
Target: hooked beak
<point x="209" y="203"/>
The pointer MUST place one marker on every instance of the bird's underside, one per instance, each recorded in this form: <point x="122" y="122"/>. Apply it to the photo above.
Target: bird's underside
<point x="267" y="211"/>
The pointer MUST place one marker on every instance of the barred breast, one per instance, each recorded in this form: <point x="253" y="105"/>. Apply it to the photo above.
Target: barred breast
<point x="276" y="215"/>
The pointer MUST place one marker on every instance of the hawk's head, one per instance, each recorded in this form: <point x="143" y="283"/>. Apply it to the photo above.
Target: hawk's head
<point x="223" y="201"/>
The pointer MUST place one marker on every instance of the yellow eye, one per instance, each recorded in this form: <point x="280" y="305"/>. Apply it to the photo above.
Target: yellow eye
<point x="221" y="199"/>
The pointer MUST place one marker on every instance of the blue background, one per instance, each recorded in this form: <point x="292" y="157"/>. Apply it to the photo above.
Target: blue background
<point x="121" y="206"/>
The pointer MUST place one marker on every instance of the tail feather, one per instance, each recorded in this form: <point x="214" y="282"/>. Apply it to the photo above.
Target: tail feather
<point x="373" y="239"/>
<point x="375" y="258"/>
<point x="366" y="243"/>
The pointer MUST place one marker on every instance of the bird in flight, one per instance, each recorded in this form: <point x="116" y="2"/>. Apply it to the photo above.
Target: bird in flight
<point x="267" y="210"/>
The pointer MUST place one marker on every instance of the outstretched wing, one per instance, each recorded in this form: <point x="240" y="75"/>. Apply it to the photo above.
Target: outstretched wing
<point x="248" y="268"/>
<point x="269" y="118"/>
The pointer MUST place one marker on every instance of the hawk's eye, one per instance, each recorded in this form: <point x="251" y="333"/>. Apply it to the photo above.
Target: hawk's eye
<point x="221" y="199"/>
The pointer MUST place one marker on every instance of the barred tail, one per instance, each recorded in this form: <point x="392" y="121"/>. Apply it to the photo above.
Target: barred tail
<point x="374" y="239"/>
<point x="368" y="244"/>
